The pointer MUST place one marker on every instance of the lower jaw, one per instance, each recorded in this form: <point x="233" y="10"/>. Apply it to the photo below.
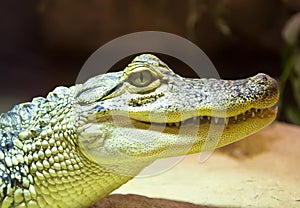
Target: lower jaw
<point x="211" y="136"/>
<point x="190" y="138"/>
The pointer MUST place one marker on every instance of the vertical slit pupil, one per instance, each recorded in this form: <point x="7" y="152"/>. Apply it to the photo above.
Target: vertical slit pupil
<point x="141" y="77"/>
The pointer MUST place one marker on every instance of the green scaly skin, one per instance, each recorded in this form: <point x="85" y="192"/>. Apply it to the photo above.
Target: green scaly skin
<point x="80" y="143"/>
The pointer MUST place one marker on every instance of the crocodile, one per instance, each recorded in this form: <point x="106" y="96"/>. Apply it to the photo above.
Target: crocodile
<point x="79" y="143"/>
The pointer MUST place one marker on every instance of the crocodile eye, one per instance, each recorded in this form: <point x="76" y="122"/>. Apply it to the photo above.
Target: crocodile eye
<point x="140" y="78"/>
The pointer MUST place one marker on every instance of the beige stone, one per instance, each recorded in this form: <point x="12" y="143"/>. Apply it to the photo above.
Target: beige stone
<point x="260" y="171"/>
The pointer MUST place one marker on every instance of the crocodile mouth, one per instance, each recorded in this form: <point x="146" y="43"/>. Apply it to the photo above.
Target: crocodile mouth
<point x="253" y="113"/>
<point x="249" y="116"/>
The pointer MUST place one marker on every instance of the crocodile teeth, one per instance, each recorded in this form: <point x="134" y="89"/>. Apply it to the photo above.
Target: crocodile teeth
<point x="226" y="120"/>
<point x="216" y="120"/>
<point x="173" y="124"/>
<point x="177" y="124"/>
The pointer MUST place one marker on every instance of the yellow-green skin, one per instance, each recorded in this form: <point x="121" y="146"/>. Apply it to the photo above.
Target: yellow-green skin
<point x="78" y="144"/>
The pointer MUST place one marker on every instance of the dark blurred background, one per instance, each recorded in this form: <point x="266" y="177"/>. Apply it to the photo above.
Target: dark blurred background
<point x="44" y="43"/>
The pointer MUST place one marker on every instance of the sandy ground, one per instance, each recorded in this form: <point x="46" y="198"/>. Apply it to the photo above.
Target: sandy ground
<point x="260" y="171"/>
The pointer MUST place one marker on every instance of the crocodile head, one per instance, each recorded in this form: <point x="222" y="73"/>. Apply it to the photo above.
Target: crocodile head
<point x="148" y="112"/>
<point x="78" y="144"/>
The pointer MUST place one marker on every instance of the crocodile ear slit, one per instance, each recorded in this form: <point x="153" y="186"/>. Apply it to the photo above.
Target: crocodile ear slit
<point x="106" y="95"/>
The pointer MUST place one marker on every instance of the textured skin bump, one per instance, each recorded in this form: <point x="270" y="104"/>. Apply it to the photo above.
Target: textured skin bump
<point x="40" y="163"/>
<point x="80" y="143"/>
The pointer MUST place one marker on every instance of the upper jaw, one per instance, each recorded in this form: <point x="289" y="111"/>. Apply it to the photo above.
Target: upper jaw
<point x="211" y="98"/>
<point x="186" y="100"/>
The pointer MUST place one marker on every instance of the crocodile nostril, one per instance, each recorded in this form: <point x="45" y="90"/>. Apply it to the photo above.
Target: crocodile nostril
<point x="261" y="78"/>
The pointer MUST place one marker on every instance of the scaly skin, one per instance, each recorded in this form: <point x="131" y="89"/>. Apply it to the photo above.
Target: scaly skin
<point x="78" y="144"/>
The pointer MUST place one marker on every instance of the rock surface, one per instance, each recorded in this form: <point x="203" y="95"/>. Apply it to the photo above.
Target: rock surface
<point x="258" y="172"/>
<point x="136" y="201"/>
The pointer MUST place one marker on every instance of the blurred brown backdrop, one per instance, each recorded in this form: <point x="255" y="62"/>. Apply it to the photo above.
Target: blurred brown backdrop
<point x="44" y="43"/>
